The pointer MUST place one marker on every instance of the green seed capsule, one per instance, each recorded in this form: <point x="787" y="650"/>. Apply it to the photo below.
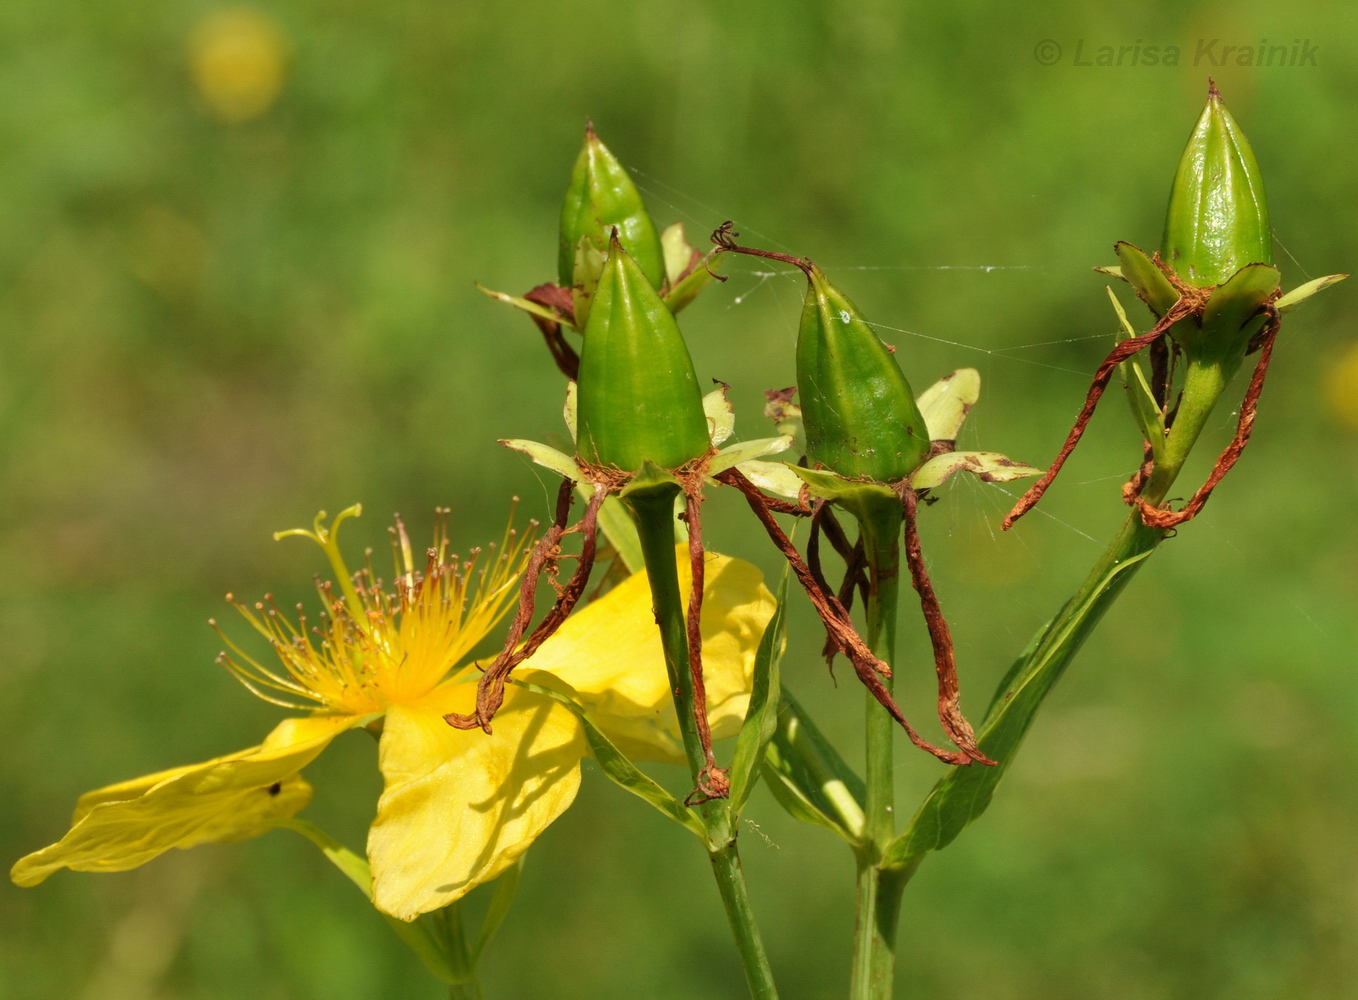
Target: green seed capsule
<point x="1218" y="218"/>
<point x="859" y="411"/>
<point x="602" y="197"/>
<point x="638" y="397"/>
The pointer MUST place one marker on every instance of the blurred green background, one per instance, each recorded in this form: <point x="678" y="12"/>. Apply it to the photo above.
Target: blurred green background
<point x="237" y="248"/>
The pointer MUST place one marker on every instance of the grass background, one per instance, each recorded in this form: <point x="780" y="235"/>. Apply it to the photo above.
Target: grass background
<point x="210" y="328"/>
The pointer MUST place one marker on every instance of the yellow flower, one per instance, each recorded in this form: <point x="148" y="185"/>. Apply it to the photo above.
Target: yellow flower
<point x="458" y="807"/>
<point x="1341" y="388"/>
<point x="238" y="58"/>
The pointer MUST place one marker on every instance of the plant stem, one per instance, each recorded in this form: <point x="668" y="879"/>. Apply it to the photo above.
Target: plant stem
<point x="878" y="894"/>
<point x="654" y="514"/>
<point x="735" y="895"/>
<point x="470" y="990"/>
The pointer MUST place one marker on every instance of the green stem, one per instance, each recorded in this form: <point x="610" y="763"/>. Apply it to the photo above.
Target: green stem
<point x="880" y="882"/>
<point x="470" y="990"/>
<point x="878" y="895"/>
<point x="735" y="895"/>
<point x="654" y="514"/>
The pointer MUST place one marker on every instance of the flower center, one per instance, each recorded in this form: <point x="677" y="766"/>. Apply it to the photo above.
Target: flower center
<point x="374" y="644"/>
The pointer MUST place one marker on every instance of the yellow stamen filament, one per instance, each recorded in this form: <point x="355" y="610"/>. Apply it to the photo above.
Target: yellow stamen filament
<point x="373" y="646"/>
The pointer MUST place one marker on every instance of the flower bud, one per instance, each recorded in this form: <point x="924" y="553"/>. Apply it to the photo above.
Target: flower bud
<point x="859" y="411"/>
<point x="1218" y="218"/>
<point x="638" y="397"/>
<point x="601" y="198"/>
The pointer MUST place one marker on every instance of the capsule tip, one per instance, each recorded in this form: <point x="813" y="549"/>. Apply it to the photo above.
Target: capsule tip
<point x="1212" y="93"/>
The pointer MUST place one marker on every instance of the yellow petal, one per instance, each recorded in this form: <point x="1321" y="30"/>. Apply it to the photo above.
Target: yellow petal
<point x="460" y="806"/>
<point x="228" y="798"/>
<point x="610" y="653"/>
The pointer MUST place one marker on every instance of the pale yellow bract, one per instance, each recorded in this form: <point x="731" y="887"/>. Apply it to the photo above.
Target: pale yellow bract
<point x="458" y="806"/>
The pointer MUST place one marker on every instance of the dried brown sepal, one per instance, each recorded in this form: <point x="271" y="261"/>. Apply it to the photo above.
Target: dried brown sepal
<point x="855" y="566"/>
<point x="955" y="724"/>
<point x="867" y="666"/>
<point x="490" y="692"/>
<point x="713" y="782"/>
<point x="1187" y="305"/>
<point x="560" y="299"/>
<point x="1163" y="517"/>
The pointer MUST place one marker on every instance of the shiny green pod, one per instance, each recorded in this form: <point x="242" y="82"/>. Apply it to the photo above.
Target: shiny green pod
<point x="858" y="409"/>
<point x="601" y="197"/>
<point x="638" y="396"/>
<point x="1217" y="221"/>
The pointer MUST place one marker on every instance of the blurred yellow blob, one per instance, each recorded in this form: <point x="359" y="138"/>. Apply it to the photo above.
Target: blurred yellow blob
<point x="1341" y="388"/>
<point x="239" y="59"/>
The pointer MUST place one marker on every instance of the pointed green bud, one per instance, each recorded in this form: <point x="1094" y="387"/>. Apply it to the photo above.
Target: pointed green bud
<point x="602" y="197"/>
<point x="638" y="397"/>
<point x="859" y="411"/>
<point x="1218" y="218"/>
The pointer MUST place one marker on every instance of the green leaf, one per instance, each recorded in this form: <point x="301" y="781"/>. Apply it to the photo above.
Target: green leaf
<point x="1233" y="314"/>
<point x="946" y="403"/>
<point x="678" y="252"/>
<point x="542" y="312"/>
<point x="620" y="530"/>
<point x="569" y="407"/>
<point x="617" y="767"/>
<point x="961" y="795"/>
<point x="987" y="466"/>
<point x="747" y="451"/>
<point x="650" y="477"/>
<point x="808" y="777"/>
<point x="775" y="477"/>
<point x="721" y="416"/>
<point x="1150" y="283"/>
<point x="1301" y="293"/>
<point x="832" y="486"/>
<point x="761" y="718"/>
<point x="688" y="288"/>
<point x="1144" y="408"/>
<point x="418" y="935"/>
<point x="547" y="457"/>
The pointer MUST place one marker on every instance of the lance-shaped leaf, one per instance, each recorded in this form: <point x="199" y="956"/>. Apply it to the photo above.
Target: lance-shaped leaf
<point x="1217" y="220"/>
<point x="808" y="777"/>
<point x="1144" y="407"/>
<point x="761" y="718"/>
<point x="547" y="457"/>
<point x="1301" y="293"/>
<point x="1147" y="280"/>
<point x="528" y="306"/>
<point x="987" y="466"/>
<point x="721" y="416"/>
<point x="638" y="397"/>
<point x="946" y="403"/>
<point x="746" y="451"/>
<point x="961" y="795"/>
<point x="773" y="477"/>
<point x="687" y="272"/>
<point x="1233" y="315"/>
<point x="829" y="486"/>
